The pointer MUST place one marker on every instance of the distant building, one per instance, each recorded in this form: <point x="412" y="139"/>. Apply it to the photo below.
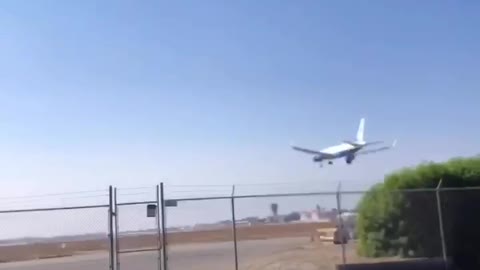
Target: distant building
<point x="312" y="216"/>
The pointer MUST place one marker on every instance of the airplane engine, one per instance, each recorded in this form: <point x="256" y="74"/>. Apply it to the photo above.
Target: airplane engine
<point x="317" y="158"/>
<point x="349" y="158"/>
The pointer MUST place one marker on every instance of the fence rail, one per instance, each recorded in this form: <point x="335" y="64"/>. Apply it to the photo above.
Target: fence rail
<point x="170" y="222"/>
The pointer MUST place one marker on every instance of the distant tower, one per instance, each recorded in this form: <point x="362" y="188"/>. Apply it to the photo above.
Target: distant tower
<point x="274" y="208"/>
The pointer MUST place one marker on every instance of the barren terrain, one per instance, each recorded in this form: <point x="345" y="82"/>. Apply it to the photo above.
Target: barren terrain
<point x="262" y="247"/>
<point x="52" y="250"/>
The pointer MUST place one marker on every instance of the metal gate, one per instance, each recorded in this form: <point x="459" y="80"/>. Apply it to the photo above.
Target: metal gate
<point x="137" y="233"/>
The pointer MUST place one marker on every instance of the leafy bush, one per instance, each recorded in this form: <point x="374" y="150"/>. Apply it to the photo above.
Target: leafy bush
<point x="392" y="222"/>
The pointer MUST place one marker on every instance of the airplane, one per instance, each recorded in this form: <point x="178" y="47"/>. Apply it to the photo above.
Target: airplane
<point x="347" y="149"/>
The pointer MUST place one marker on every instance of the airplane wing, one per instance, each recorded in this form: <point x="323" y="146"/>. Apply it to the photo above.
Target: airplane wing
<point x="305" y="150"/>
<point x="374" y="142"/>
<point x="366" y="144"/>
<point x="371" y="151"/>
<point x="312" y="152"/>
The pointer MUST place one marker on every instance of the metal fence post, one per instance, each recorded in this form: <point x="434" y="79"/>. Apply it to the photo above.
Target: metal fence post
<point x="110" y="228"/>
<point x="159" y="242"/>
<point x="164" y="228"/>
<point x="341" y="230"/>
<point x="440" y="222"/>
<point x="234" y="227"/>
<point x="117" y="243"/>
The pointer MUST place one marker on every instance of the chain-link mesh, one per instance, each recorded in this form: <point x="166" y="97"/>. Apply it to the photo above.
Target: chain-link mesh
<point x="200" y="235"/>
<point x="283" y="231"/>
<point x="137" y="233"/>
<point x="461" y="223"/>
<point x="391" y="226"/>
<point x="34" y="235"/>
<point x="287" y="230"/>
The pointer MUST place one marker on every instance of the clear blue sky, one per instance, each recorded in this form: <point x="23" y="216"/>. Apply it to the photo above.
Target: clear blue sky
<point x="134" y="92"/>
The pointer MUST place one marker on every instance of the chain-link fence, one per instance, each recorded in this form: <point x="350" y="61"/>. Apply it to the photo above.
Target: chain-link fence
<point x="150" y="228"/>
<point x="206" y="242"/>
<point x="69" y="237"/>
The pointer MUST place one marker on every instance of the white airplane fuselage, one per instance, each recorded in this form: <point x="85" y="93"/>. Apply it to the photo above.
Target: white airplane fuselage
<point x="337" y="151"/>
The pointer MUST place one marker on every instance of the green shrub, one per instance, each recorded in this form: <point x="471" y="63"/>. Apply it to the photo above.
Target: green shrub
<point x="395" y="223"/>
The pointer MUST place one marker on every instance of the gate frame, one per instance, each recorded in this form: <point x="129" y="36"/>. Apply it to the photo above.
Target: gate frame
<point x="160" y="244"/>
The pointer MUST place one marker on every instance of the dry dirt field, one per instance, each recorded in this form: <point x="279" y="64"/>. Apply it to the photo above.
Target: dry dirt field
<point x="312" y="256"/>
<point x="262" y="247"/>
<point x="53" y="250"/>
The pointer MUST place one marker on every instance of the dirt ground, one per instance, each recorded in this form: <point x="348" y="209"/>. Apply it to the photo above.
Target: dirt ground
<point x="53" y="250"/>
<point x="305" y="256"/>
<point x="313" y="256"/>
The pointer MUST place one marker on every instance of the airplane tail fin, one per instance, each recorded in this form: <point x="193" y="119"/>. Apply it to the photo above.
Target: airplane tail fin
<point x="360" y="131"/>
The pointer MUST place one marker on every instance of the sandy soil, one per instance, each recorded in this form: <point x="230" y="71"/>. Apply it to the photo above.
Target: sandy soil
<point x="53" y="250"/>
